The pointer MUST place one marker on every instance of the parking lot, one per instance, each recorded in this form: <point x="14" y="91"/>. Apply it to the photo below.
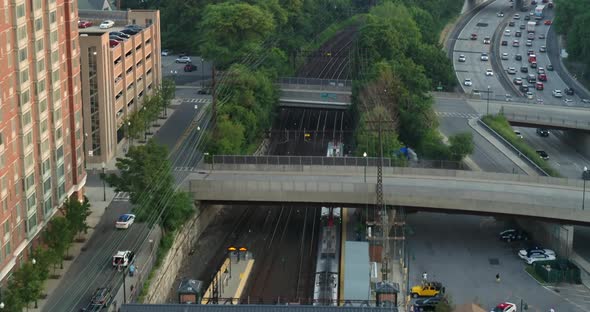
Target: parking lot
<point x="464" y="253"/>
<point x="171" y="69"/>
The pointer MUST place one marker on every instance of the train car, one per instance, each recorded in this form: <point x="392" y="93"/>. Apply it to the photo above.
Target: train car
<point x="335" y="149"/>
<point x="328" y="263"/>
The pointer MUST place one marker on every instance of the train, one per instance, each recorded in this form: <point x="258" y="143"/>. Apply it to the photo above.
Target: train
<point x="327" y="272"/>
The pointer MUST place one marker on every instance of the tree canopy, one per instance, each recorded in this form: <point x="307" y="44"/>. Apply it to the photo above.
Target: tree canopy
<point x="571" y="19"/>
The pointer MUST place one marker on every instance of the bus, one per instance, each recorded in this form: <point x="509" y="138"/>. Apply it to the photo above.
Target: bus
<point x="539" y="12"/>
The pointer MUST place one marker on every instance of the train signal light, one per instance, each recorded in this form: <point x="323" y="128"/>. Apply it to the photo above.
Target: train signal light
<point x="232" y="248"/>
<point x="243" y="249"/>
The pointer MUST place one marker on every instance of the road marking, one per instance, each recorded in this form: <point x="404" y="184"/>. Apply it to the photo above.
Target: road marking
<point x="457" y="115"/>
<point x="199" y="100"/>
<point x="122" y="196"/>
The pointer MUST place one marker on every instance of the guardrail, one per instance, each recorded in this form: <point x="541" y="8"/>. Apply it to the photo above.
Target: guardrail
<point x="314" y="83"/>
<point x="508" y="144"/>
<point x="547" y="121"/>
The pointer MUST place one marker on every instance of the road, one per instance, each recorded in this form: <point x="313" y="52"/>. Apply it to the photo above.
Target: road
<point x="463" y="253"/>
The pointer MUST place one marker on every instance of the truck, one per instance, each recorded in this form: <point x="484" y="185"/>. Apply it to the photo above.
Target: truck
<point x="530" y="27"/>
<point x="539" y="12"/>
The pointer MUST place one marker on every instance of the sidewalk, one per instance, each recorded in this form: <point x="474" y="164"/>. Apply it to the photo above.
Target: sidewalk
<point x="96" y="194"/>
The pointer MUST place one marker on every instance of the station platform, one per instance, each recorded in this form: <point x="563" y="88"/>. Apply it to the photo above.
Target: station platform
<point x="230" y="281"/>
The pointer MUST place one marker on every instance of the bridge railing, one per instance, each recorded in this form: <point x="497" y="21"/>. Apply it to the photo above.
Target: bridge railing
<point x="330" y="161"/>
<point x="314" y="83"/>
<point x="547" y="120"/>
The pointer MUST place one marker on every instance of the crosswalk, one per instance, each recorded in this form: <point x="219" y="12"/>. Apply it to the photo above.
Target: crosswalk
<point x="457" y="115"/>
<point x="186" y="169"/>
<point x="121" y="196"/>
<point x="199" y="100"/>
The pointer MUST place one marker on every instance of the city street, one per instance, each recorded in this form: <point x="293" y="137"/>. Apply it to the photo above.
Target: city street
<point x="464" y="253"/>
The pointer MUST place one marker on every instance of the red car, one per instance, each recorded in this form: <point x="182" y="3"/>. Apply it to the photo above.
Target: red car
<point x="84" y="24"/>
<point x="539" y="86"/>
<point x="542" y="77"/>
<point x="113" y="43"/>
<point x="548" y="22"/>
<point x="473" y="36"/>
<point x="190" y="67"/>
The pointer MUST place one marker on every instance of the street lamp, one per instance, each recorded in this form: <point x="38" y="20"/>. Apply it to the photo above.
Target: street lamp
<point x="585" y="176"/>
<point x="129" y="143"/>
<point x="366" y="164"/>
<point x="145" y="124"/>
<point x="488" y="105"/>
<point x="104" y="186"/>
<point x="202" y="73"/>
<point x="33" y="261"/>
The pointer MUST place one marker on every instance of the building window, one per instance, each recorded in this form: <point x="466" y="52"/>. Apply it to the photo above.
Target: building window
<point x="26" y="119"/>
<point x="29" y="161"/>
<point x="43" y="104"/>
<point x="44" y="126"/>
<point x="57" y="115"/>
<point x="45" y="146"/>
<point x="46" y="166"/>
<point x="52" y="17"/>
<point x="47" y="207"/>
<point x="28" y="139"/>
<point x="61" y="191"/>
<point x="60" y="172"/>
<point x="20" y="10"/>
<point x="22" y="33"/>
<point x="58" y="133"/>
<point x="39" y="44"/>
<point x="32" y="223"/>
<point x="24" y="98"/>
<point x="41" y="86"/>
<point x="37" y="4"/>
<point x="47" y="186"/>
<point x="55" y="76"/>
<point x="24" y="76"/>
<point x="31" y="201"/>
<point x="59" y="153"/>
<point x="53" y="37"/>
<point x="6" y="229"/>
<point x="30" y="182"/>
<point x="7" y="249"/>
<point x="55" y="57"/>
<point x="22" y="55"/>
<point x="38" y="24"/>
<point x="40" y="65"/>
<point x="56" y="95"/>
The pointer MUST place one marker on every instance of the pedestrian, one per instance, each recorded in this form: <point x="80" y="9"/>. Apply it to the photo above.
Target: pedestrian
<point x="131" y="270"/>
<point x="498" y="277"/>
<point x="425" y="276"/>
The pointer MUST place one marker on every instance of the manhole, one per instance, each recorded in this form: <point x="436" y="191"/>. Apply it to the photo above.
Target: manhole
<point x="494" y="261"/>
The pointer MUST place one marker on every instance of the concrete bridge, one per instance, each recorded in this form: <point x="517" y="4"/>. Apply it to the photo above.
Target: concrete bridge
<point x="315" y="93"/>
<point x="444" y="190"/>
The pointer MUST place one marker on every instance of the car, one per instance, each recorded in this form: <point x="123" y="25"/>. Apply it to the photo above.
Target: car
<point x="134" y="27"/>
<point x="524" y="88"/>
<point x="530" y="36"/>
<point x="516" y="43"/>
<point x="586" y="101"/>
<point x="550" y="5"/>
<point x="529" y="43"/>
<point x="507" y="33"/>
<point x="489" y="72"/>
<point x="530" y="95"/>
<point x="106" y="24"/>
<point x="119" y="34"/>
<point x="190" y="67"/>
<point x="486" y="40"/>
<point x="542" y="132"/>
<point x="204" y="91"/>
<point x="524" y="69"/>
<point x="504" y="43"/>
<point x="467" y="82"/>
<point x="511" y="235"/>
<point x="117" y="38"/>
<point x="473" y="36"/>
<point x="484" y="57"/>
<point x="500" y="14"/>
<point x="165" y="52"/>
<point x="505" y="307"/>
<point x="101" y="299"/>
<point x="428" y="304"/>
<point x="550" y="67"/>
<point x="462" y="58"/>
<point x="531" y="78"/>
<point x="539" y="257"/>
<point x="543" y="49"/>
<point x="125" y="221"/>
<point x="123" y="258"/>
<point x="542" y="77"/>
<point x="548" y="22"/>
<point x="511" y="71"/>
<point x="541" y="36"/>
<point x="524" y="253"/>
<point x="511" y="24"/>
<point x="183" y="59"/>
<point x="128" y="31"/>
<point x="568" y="91"/>
<point x="427" y="289"/>
<point x="527" y="18"/>
<point x="516" y="16"/>
<point x="505" y="56"/>
<point x="84" y="24"/>
<point x="517" y="81"/>
<point x="518" y="57"/>
<point x="540" y="70"/>
<point x="530" y="52"/>
<point x="517" y="34"/>
<point x="568" y="101"/>
<point x="533" y="64"/>
<point x="557" y="93"/>
<point x="518" y="134"/>
<point x="113" y="43"/>
<point x="539" y="86"/>
<point x="522" y="26"/>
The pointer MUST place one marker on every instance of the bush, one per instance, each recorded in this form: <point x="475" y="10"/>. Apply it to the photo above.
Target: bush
<point x="499" y="124"/>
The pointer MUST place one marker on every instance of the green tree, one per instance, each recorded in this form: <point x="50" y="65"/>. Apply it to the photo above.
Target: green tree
<point x="180" y="208"/>
<point x="461" y="145"/>
<point x="11" y="298"/>
<point x="27" y="283"/>
<point x="76" y="213"/>
<point x="228" y="137"/>
<point x="58" y="236"/>
<point x="167" y="92"/>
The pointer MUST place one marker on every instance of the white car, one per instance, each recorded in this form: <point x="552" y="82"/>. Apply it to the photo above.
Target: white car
<point x="534" y="257"/>
<point x="557" y="93"/>
<point x="507" y="33"/>
<point x="511" y="71"/>
<point x="568" y="101"/>
<point x="468" y="82"/>
<point x="123" y="258"/>
<point x="516" y="16"/>
<point x="125" y="221"/>
<point x="165" y="52"/>
<point x="462" y="58"/>
<point x="530" y="95"/>
<point x="489" y="72"/>
<point x="505" y="56"/>
<point x="500" y="14"/>
<point x="487" y="40"/>
<point x="529" y="43"/>
<point x="523" y="253"/>
<point x="183" y="59"/>
<point x="107" y="24"/>
<point x="518" y="135"/>
<point x="484" y="57"/>
<point x="505" y="307"/>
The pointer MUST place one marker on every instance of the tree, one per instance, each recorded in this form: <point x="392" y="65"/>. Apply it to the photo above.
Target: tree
<point x="445" y="305"/>
<point x="76" y="213"/>
<point x="58" y="236"/>
<point x="461" y="145"/>
<point x="11" y="298"/>
<point x="167" y="92"/>
<point x="180" y="208"/>
<point x="27" y="283"/>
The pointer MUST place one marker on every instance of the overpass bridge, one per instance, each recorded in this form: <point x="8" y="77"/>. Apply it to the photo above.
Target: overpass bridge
<point x="315" y="93"/>
<point x="341" y="181"/>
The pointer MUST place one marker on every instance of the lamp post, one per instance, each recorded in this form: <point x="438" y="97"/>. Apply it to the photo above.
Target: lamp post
<point x="33" y="261"/>
<point x="585" y="176"/>
<point x="145" y="124"/>
<point x="488" y="105"/>
<point x="104" y="186"/>
<point x="366" y="164"/>
<point x="202" y="73"/>
<point x="129" y="143"/>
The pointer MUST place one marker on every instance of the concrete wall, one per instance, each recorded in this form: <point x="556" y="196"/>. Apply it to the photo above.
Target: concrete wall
<point x="164" y="277"/>
<point x="580" y="140"/>
<point x="554" y="236"/>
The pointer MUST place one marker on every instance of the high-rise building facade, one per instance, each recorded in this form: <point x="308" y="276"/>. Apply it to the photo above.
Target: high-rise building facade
<point x="41" y="151"/>
<point x="116" y="75"/>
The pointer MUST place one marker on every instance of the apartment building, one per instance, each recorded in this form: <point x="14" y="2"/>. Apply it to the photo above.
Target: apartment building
<point x="115" y="77"/>
<point x="41" y="157"/>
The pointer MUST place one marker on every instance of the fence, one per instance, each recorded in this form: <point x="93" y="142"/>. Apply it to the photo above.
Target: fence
<point x="330" y="161"/>
<point x="314" y="83"/>
<point x="103" y="15"/>
<point x="280" y="301"/>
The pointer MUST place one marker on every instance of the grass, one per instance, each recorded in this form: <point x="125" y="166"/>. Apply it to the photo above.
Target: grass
<point x="531" y="271"/>
<point x="499" y="124"/>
